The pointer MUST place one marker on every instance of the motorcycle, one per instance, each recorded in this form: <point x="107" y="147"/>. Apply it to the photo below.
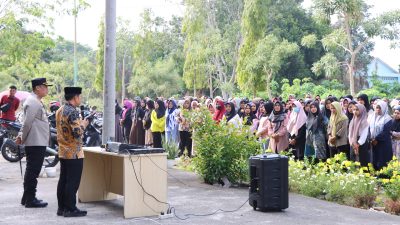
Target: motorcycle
<point x="14" y="153"/>
<point x="92" y="134"/>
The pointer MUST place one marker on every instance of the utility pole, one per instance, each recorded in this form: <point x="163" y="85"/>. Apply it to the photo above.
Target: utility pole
<point x="109" y="72"/>
<point x="75" y="59"/>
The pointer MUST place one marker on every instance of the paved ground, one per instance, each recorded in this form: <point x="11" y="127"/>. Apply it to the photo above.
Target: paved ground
<point x="191" y="197"/>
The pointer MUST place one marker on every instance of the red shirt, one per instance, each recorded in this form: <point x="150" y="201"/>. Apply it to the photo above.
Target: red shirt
<point x="10" y="114"/>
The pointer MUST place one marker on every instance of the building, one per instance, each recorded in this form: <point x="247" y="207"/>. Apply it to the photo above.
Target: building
<point x="383" y="71"/>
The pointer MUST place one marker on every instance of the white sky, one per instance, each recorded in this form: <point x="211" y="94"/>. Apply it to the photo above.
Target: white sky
<point x="88" y="21"/>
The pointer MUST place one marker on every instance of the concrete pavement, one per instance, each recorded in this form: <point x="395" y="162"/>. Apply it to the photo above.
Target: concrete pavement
<point x="188" y="195"/>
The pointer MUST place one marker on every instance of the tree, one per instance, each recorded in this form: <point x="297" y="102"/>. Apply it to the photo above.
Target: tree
<point x="157" y="45"/>
<point x="212" y="39"/>
<point x="286" y="20"/>
<point x="354" y="31"/>
<point x="125" y="44"/>
<point x="268" y="58"/>
<point x="162" y="79"/>
<point x="100" y="58"/>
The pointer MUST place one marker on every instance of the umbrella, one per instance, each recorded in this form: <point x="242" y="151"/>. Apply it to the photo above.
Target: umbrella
<point x="21" y="95"/>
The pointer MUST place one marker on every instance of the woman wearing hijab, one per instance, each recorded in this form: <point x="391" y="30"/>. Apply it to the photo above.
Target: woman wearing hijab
<point x="219" y="111"/>
<point x="316" y="132"/>
<point x="195" y="105"/>
<point x="350" y="109"/>
<point x="137" y="135"/>
<point x="126" y="120"/>
<point x="277" y="123"/>
<point x="171" y="124"/>
<point x="297" y="130"/>
<point x="358" y="136"/>
<point x="255" y="109"/>
<point x="231" y="116"/>
<point x="143" y="104"/>
<point x="262" y="131"/>
<point x="307" y="105"/>
<point x="363" y="99"/>
<point x="338" y="131"/>
<point x="158" y="123"/>
<point x="327" y="109"/>
<point x="345" y="105"/>
<point x="243" y="103"/>
<point x="148" y="140"/>
<point x="184" y="130"/>
<point x="118" y="129"/>
<point x="380" y="126"/>
<point x="395" y="131"/>
<point x="247" y="116"/>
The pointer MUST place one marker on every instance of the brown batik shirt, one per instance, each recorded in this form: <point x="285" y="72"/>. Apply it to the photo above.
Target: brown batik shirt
<point x="69" y="133"/>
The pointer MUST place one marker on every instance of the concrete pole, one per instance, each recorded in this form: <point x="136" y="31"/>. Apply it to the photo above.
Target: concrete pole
<point x="109" y="72"/>
<point x="75" y="59"/>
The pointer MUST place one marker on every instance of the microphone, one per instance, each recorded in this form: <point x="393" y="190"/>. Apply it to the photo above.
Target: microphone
<point x="82" y="112"/>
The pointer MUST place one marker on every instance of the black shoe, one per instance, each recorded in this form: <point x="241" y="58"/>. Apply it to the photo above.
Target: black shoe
<point x="35" y="204"/>
<point x="74" y="213"/>
<point x="60" y="212"/>
<point x="23" y="200"/>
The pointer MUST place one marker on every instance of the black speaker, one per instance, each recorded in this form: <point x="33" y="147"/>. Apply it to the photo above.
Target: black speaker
<point x="269" y="182"/>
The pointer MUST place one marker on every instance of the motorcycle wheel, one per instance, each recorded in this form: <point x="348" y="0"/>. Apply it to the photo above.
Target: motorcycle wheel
<point x="50" y="161"/>
<point x="10" y="153"/>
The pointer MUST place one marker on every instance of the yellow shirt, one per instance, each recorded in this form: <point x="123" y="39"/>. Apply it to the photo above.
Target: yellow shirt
<point x="69" y="133"/>
<point x="157" y="124"/>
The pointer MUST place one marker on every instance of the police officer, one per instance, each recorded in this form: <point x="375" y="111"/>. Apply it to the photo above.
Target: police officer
<point x="34" y="134"/>
<point x="70" y="129"/>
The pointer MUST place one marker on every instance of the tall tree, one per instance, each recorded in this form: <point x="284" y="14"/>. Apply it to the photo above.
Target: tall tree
<point x="157" y="43"/>
<point x="100" y="58"/>
<point x="270" y="55"/>
<point x="354" y="31"/>
<point x="286" y="20"/>
<point x="212" y="39"/>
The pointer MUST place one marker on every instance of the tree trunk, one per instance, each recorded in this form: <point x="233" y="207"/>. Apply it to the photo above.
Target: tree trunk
<point x="211" y="87"/>
<point x="268" y="83"/>
<point x="123" y="79"/>
<point x="351" y="74"/>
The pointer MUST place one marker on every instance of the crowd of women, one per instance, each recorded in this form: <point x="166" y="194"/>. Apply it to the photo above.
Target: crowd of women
<point x="366" y="131"/>
<point x="148" y="122"/>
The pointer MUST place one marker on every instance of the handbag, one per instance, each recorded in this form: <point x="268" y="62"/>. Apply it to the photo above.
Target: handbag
<point x="5" y="107"/>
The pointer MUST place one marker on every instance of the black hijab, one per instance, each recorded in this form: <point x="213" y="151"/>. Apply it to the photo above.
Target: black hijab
<point x="277" y="117"/>
<point x="137" y="112"/>
<point x="232" y="113"/>
<point x="161" y="109"/>
<point x="396" y="123"/>
<point x="349" y="114"/>
<point x="249" y="117"/>
<point x="269" y="107"/>
<point x="364" y="97"/>
<point x="314" y="120"/>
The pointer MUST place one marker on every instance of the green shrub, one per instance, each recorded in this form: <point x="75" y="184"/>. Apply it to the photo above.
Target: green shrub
<point x="170" y="148"/>
<point x="221" y="150"/>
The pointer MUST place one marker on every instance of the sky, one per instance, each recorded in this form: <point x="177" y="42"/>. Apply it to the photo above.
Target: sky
<point x="88" y="21"/>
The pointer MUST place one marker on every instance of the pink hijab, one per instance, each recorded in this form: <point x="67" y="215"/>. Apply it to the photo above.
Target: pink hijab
<point x="357" y="124"/>
<point x="127" y="105"/>
<point x="296" y="119"/>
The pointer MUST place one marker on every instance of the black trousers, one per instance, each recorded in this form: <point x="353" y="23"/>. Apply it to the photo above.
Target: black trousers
<point x="34" y="162"/>
<point x="186" y="142"/>
<point x="340" y="149"/>
<point x="363" y="154"/>
<point x="157" y="139"/>
<point x="68" y="184"/>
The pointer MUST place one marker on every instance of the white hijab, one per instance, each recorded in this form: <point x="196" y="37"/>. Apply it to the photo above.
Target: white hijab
<point x="297" y="119"/>
<point x="377" y="122"/>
